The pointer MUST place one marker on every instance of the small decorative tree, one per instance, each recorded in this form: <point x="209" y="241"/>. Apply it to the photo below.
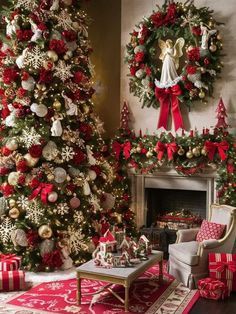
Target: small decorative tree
<point x="124" y="121"/>
<point x="221" y="115"/>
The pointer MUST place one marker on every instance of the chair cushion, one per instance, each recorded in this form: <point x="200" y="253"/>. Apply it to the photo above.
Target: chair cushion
<point x="210" y="230"/>
<point x="185" y="252"/>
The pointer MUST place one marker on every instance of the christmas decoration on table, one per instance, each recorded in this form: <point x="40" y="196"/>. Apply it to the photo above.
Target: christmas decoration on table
<point x="108" y="254"/>
<point x="54" y="174"/>
<point x="222" y="266"/>
<point x="12" y="280"/>
<point x="210" y="288"/>
<point x="174" y="57"/>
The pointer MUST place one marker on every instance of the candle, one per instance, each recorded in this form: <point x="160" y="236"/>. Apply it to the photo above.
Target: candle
<point x="140" y="133"/>
<point x="191" y="133"/>
<point x="203" y="131"/>
<point x="183" y="132"/>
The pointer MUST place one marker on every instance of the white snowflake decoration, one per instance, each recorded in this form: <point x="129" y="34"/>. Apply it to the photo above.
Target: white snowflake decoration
<point x="9" y="61"/>
<point x="27" y="4"/>
<point x="35" y="58"/>
<point x="6" y="227"/>
<point x="78" y="217"/>
<point x="95" y="202"/>
<point x="35" y="213"/>
<point x="23" y="202"/>
<point x="30" y="137"/>
<point x="55" y="286"/>
<point x="67" y="153"/>
<point x="62" y="209"/>
<point x="64" y="21"/>
<point x="76" y="240"/>
<point x="63" y="71"/>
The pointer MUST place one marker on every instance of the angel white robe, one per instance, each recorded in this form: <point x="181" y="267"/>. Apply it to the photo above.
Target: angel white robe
<point x="169" y="76"/>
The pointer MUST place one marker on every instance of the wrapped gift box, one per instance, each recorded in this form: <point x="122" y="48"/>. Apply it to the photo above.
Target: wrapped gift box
<point x="9" y="262"/>
<point x="211" y="288"/>
<point x="223" y="266"/>
<point x="12" y="280"/>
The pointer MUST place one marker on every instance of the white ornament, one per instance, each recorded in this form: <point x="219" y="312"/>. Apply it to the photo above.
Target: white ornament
<point x="56" y="129"/>
<point x="30" y="161"/>
<point x="206" y="34"/>
<point x="92" y="175"/>
<point x="21" y="59"/>
<point x="63" y="71"/>
<point x="37" y="32"/>
<point x="13" y="178"/>
<point x="28" y="84"/>
<point x="12" y="144"/>
<point x="55" y="5"/>
<point x="27" y="4"/>
<point x="86" y="188"/>
<point x="140" y="73"/>
<point x="60" y="174"/>
<point x="64" y="20"/>
<point x="50" y="151"/>
<point x="72" y="108"/>
<point x="35" y="58"/>
<point x="40" y="110"/>
<point x="91" y="159"/>
<point x="18" y="237"/>
<point x="11" y="119"/>
<point x="52" y="197"/>
<point x="67" y="153"/>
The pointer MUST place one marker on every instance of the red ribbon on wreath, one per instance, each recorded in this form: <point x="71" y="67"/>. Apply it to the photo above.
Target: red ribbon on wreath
<point x="43" y="189"/>
<point x="117" y="148"/>
<point x="168" y="98"/>
<point x="211" y="148"/>
<point x="171" y="148"/>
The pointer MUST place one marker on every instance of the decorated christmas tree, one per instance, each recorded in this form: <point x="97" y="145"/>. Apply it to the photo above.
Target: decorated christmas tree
<point x="53" y="171"/>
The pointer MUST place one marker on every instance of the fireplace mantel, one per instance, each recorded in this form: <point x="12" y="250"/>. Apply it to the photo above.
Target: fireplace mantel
<point x="169" y="179"/>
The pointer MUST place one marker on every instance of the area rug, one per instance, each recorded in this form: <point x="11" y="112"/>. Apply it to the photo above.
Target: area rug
<point x="146" y="296"/>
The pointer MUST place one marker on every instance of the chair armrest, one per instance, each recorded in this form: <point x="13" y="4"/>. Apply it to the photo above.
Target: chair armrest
<point x="209" y="244"/>
<point x="186" y="235"/>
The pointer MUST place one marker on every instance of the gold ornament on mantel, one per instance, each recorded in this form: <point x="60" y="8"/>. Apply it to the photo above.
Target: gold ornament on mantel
<point x="45" y="232"/>
<point x="189" y="154"/>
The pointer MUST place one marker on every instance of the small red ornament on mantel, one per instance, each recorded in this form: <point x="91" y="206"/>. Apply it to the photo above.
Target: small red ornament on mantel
<point x="124" y="121"/>
<point x="221" y="115"/>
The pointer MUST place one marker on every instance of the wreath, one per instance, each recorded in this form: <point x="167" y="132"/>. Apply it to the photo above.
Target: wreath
<point x="174" y="56"/>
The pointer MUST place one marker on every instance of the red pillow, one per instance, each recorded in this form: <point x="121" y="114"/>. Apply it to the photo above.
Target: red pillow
<point x="210" y="230"/>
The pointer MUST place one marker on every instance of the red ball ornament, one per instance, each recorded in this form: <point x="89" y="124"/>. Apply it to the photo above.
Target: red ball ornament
<point x="75" y="202"/>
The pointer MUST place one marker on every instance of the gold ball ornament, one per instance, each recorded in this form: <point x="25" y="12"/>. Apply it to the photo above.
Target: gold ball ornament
<point x="213" y="48"/>
<point x="30" y="161"/>
<point x="181" y="151"/>
<point x="196" y="151"/>
<point x="52" y="55"/>
<point x="45" y="232"/>
<point x="189" y="154"/>
<point x="52" y="197"/>
<point x="204" y="151"/>
<point x="57" y="105"/>
<point x="14" y="213"/>
<point x="50" y="177"/>
<point x="201" y="95"/>
<point x="12" y="202"/>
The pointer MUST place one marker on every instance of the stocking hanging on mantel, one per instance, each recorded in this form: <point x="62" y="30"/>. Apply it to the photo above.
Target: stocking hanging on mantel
<point x="221" y="115"/>
<point x="124" y="120"/>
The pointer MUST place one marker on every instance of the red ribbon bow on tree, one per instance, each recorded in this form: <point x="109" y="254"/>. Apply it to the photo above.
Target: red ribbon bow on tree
<point x="222" y="266"/>
<point x="212" y="146"/>
<point x="168" y="97"/>
<point x="43" y="189"/>
<point x="171" y="148"/>
<point x="117" y="148"/>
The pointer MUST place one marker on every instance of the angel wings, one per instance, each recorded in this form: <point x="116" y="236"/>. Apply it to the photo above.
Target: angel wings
<point x="170" y="55"/>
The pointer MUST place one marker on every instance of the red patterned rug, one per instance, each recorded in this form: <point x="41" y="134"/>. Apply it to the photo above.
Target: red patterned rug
<point x="146" y="296"/>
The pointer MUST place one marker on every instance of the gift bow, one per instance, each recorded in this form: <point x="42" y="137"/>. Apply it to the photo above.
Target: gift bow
<point x="117" y="148"/>
<point x="168" y="97"/>
<point x="43" y="189"/>
<point x="222" y="266"/>
<point x="212" y="146"/>
<point x="4" y="257"/>
<point x="171" y="148"/>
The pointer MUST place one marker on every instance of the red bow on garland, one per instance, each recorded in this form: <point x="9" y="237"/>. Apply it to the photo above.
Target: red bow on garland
<point x="212" y="146"/>
<point x="117" y="148"/>
<point x="168" y="97"/>
<point x="222" y="266"/>
<point x="171" y="148"/>
<point x="43" y="189"/>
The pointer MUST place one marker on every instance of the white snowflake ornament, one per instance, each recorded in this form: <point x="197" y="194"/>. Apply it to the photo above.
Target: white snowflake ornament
<point x="76" y="240"/>
<point x="26" y="4"/>
<point x="63" y="71"/>
<point x="67" y="153"/>
<point x="30" y="137"/>
<point x="35" y="213"/>
<point x="35" y="58"/>
<point x="6" y="228"/>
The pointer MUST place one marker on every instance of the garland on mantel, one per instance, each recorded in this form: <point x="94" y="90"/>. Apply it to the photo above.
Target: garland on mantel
<point x="188" y="154"/>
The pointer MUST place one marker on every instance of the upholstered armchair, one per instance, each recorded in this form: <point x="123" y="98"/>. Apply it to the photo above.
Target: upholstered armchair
<point x="188" y="259"/>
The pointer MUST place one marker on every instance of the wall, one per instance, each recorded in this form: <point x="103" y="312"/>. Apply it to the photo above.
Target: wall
<point x="201" y="115"/>
<point x="104" y="33"/>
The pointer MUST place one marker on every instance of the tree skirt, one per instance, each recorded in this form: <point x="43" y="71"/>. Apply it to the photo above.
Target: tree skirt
<point x="146" y="296"/>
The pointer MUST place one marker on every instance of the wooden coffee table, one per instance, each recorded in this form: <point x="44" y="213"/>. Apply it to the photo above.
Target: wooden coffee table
<point x="120" y="276"/>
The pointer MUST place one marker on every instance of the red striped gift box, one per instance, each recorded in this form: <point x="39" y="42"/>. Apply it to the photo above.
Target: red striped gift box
<point x="223" y="266"/>
<point x="9" y="262"/>
<point x="12" y="280"/>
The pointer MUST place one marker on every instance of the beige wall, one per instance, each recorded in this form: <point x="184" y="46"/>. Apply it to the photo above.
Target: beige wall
<point x="201" y="115"/>
<point x="104" y="33"/>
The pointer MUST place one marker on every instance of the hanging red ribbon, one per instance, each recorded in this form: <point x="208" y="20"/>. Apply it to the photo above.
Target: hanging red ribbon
<point x="222" y="266"/>
<point x="43" y="189"/>
<point x="168" y="97"/>
<point x="118" y="148"/>
<point x="211" y="148"/>
<point x="171" y="148"/>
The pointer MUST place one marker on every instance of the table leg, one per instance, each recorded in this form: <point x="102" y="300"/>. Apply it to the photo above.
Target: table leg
<point x="126" y="296"/>
<point x="78" y="289"/>
<point x="161" y="271"/>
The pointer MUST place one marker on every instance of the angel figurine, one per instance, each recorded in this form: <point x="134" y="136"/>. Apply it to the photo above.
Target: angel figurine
<point x="36" y="30"/>
<point x="170" y="57"/>
<point x="206" y="34"/>
<point x="56" y="129"/>
<point x="72" y="108"/>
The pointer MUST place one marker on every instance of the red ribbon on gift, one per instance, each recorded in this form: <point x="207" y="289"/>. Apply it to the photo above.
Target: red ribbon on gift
<point x="168" y="97"/>
<point x="171" y="148"/>
<point x="222" y="266"/>
<point x="43" y="189"/>
<point x="211" y="148"/>
<point x="118" y="148"/>
<point x="4" y="257"/>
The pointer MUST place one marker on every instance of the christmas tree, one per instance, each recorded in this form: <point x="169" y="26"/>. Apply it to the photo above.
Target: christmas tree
<point x="53" y="171"/>
<point x="221" y="115"/>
